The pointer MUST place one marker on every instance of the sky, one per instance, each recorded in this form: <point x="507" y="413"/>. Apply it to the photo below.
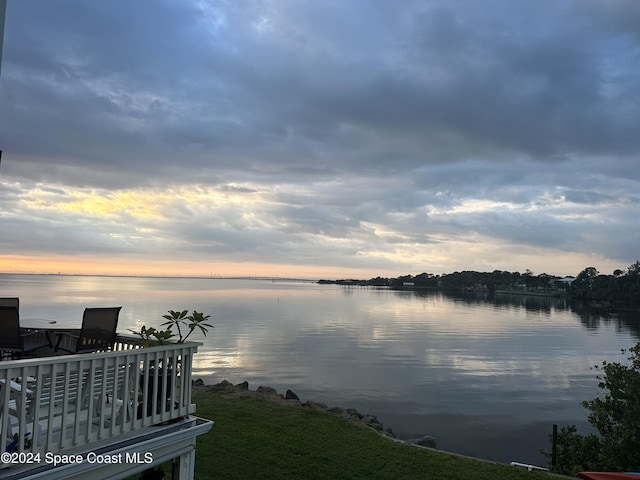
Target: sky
<point x="324" y="139"/>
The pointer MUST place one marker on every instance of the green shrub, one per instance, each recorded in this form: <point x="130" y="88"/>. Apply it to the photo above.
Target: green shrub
<point x="615" y="414"/>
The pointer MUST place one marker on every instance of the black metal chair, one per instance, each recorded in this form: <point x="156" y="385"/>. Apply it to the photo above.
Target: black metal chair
<point x="14" y="343"/>
<point x="10" y="302"/>
<point x="98" y="332"/>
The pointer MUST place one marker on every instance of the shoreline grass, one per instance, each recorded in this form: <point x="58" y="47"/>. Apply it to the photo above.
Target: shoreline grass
<point x="255" y="437"/>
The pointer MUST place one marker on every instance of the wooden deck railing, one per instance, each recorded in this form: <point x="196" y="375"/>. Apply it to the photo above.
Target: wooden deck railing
<point x="54" y="404"/>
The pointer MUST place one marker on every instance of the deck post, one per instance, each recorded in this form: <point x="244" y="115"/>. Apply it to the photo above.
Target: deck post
<point x="183" y="467"/>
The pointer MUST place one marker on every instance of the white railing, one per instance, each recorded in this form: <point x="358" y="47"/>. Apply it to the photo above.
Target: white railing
<point x="54" y="404"/>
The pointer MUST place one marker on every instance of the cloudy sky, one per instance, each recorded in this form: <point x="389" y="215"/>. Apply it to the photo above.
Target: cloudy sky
<point x="319" y="139"/>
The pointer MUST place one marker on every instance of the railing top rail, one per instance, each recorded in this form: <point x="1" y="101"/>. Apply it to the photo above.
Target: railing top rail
<point x="193" y="346"/>
<point x="133" y="340"/>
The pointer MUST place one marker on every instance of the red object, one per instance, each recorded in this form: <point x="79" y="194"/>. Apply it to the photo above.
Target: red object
<point x="607" y="476"/>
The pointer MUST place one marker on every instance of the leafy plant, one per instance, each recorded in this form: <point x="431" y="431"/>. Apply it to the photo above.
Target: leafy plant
<point x="193" y="321"/>
<point x="151" y="336"/>
<point x="615" y="415"/>
<point x="575" y="452"/>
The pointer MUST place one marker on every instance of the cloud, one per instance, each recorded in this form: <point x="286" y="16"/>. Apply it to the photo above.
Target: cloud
<point x="338" y="134"/>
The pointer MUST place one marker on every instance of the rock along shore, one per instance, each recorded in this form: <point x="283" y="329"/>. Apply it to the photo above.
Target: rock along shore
<point x="290" y="398"/>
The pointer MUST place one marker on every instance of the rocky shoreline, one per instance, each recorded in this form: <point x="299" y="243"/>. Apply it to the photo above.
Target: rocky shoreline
<point x="290" y="398"/>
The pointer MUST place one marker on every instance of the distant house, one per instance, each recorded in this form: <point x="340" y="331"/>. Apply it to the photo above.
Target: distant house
<point x="562" y="283"/>
<point x="408" y="284"/>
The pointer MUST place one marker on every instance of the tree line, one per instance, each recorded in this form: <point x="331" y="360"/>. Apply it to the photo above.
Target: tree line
<point x="620" y="289"/>
<point x="468" y="279"/>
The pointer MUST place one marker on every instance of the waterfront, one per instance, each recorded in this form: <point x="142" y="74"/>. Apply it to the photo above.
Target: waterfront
<point x="485" y="378"/>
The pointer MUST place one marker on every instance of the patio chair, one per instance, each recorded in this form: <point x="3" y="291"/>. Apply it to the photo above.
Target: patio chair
<point x="10" y="302"/>
<point x="98" y="332"/>
<point x="13" y="342"/>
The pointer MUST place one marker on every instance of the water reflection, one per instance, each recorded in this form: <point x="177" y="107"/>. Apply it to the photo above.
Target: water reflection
<point x="590" y="316"/>
<point x="405" y="356"/>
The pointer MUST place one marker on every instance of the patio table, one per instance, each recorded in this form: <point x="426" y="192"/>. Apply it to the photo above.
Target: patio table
<point x="48" y="329"/>
<point x="37" y="323"/>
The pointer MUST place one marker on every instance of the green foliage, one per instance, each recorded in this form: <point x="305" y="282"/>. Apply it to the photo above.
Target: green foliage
<point x="496" y="280"/>
<point x="583" y="284"/>
<point x="193" y="321"/>
<point x="620" y="289"/>
<point x="575" y="452"/>
<point x="151" y="336"/>
<point x="616" y="416"/>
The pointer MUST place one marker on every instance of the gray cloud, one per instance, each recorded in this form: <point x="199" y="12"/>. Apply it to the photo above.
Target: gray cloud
<point x="337" y="133"/>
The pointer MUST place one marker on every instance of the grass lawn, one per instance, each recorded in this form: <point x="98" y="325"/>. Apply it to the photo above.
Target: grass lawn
<point x="254" y="437"/>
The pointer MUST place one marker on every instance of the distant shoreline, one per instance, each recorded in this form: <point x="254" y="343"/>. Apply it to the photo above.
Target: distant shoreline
<point x="198" y="277"/>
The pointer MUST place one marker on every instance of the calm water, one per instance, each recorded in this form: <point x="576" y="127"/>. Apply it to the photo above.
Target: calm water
<point x="485" y="378"/>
